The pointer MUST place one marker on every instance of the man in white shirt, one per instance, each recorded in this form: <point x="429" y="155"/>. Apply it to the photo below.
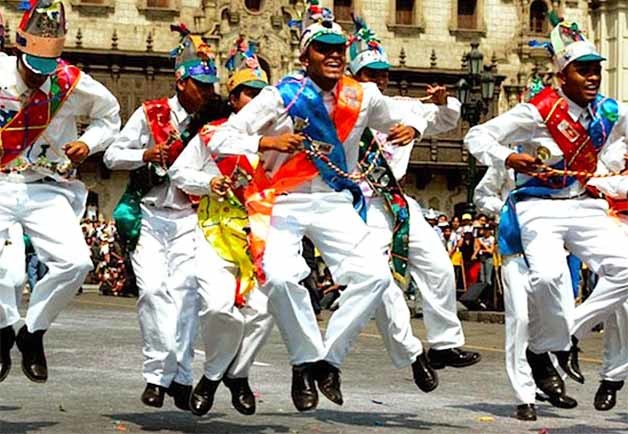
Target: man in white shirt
<point x="163" y="257"/>
<point x="235" y="321"/>
<point x="41" y="98"/>
<point x="326" y="112"/>
<point x="389" y="210"/>
<point x="568" y="129"/>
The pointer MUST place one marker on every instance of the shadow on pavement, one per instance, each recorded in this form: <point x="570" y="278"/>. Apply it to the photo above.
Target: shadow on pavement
<point x="508" y="410"/>
<point x="188" y="423"/>
<point x="583" y="429"/>
<point x="9" y="408"/>
<point x="23" y="427"/>
<point x="371" y="419"/>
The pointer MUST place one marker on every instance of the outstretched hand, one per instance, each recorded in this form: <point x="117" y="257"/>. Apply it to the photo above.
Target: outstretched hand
<point x="288" y="142"/>
<point x="438" y="94"/>
<point x="402" y="134"/>
<point x="522" y="163"/>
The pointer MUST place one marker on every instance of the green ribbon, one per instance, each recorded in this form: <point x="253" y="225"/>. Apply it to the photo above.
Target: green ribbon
<point x="128" y="213"/>
<point x="383" y="182"/>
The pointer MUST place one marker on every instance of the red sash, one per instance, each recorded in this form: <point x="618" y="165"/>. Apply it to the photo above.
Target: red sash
<point x="31" y="121"/>
<point x="162" y="129"/>
<point x="570" y="136"/>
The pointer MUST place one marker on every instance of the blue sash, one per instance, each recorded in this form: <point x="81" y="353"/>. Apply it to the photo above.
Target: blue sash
<point x="303" y="100"/>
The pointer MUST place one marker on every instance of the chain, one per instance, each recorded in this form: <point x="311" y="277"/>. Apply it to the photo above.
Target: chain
<point x="356" y="176"/>
<point x="546" y="171"/>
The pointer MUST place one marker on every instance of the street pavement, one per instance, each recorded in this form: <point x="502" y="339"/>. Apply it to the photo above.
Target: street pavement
<point x="94" y="356"/>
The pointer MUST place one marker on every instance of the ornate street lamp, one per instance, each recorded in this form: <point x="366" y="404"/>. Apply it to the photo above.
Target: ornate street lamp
<point x="476" y="91"/>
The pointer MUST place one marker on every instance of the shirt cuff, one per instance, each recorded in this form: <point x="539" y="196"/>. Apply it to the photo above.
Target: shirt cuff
<point x="501" y="154"/>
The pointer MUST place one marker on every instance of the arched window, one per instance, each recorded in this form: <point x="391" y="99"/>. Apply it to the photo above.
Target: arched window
<point x="467" y="14"/>
<point x="404" y="12"/>
<point x="343" y="9"/>
<point x="538" y="17"/>
<point x="253" y="5"/>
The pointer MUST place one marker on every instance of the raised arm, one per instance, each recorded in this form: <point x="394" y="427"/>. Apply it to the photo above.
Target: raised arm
<point x="194" y="168"/>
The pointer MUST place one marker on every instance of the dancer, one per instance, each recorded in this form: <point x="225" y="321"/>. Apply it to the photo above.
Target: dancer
<point x="164" y="219"/>
<point x="233" y="312"/>
<point x="398" y="221"/>
<point x="565" y="129"/>
<point x="325" y="112"/>
<point x="42" y="97"/>
<point x="489" y="196"/>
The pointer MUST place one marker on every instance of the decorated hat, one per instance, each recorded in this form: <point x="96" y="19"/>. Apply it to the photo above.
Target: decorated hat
<point x="193" y="57"/>
<point x="317" y="24"/>
<point x="244" y="67"/>
<point x="568" y="44"/>
<point x="41" y="35"/>
<point x="365" y="49"/>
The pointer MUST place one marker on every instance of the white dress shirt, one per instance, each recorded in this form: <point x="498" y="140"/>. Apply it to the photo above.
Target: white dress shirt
<point x="127" y="153"/>
<point x="493" y="190"/>
<point x="523" y="125"/>
<point x="89" y="99"/>
<point x="266" y="115"/>
<point x="439" y="118"/>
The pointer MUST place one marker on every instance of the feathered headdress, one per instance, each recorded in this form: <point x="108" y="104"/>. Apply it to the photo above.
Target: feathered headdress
<point x="365" y="48"/>
<point x="567" y="43"/>
<point x="193" y="57"/>
<point x="244" y="66"/>
<point x="317" y="23"/>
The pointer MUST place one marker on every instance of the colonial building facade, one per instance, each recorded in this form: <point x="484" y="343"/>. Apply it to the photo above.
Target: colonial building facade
<point x="125" y="44"/>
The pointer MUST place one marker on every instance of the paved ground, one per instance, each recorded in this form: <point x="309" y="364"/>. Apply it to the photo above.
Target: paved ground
<point x="95" y="384"/>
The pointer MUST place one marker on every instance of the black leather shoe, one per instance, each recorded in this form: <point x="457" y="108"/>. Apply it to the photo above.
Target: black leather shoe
<point x="560" y="401"/>
<point x="153" y="395"/>
<point x="568" y="361"/>
<point x="303" y="390"/>
<point x="327" y="377"/>
<point x="242" y="397"/>
<point x="454" y="357"/>
<point x="526" y="412"/>
<point x="181" y="394"/>
<point x="425" y="377"/>
<point x="606" y="395"/>
<point x="545" y="375"/>
<point x="202" y="398"/>
<point x="34" y="363"/>
<point x="7" y="339"/>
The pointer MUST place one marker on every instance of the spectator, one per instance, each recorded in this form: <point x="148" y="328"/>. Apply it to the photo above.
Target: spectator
<point x="469" y="250"/>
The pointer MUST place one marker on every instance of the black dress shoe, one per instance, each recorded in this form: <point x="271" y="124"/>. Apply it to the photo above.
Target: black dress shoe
<point x="454" y="357"/>
<point x="425" y="377"/>
<point x="568" y="361"/>
<point x="153" y="395"/>
<point x="327" y="377"/>
<point x="202" y="398"/>
<point x="181" y="394"/>
<point x="34" y="363"/>
<point x="303" y="390"/>
<point x="242" y="397"/>
<point x="7" y="339"/>
<point x="560" y="401"/>
<point x="526" y="412"/>
<point x="545" y="375"/>
<point x="605" y="397"/>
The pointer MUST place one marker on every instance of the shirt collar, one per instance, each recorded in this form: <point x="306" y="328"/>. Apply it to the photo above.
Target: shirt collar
<point x="575" y="111"/>
<point x="177" y="109"/>
<point x="324" y="92"/>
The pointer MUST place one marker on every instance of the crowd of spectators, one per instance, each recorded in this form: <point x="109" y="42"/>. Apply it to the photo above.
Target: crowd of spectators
<point x="112" y="268"/>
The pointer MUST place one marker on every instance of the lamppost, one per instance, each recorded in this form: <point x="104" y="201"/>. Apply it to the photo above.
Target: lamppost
<point x="475" y="91"/>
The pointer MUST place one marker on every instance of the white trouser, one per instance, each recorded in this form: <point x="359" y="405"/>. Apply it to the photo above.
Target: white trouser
<point x="233" y="336"/>
<point x="163" y="262"/>
<point x="430" y="268"/>
<point x="13" y="260"/>
<point x="44" y="210"/>
<point x="516" y="288"/>
<point x="335" y="228"/>
<point x="583" y="227"/>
